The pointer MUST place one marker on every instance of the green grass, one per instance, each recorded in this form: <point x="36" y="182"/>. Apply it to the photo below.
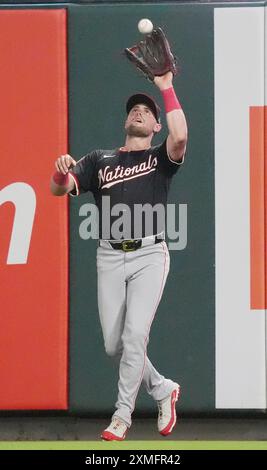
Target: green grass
<point x="133" y="445"/>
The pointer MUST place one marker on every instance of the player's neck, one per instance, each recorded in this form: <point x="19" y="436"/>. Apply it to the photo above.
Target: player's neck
<point x="137" y="143"/>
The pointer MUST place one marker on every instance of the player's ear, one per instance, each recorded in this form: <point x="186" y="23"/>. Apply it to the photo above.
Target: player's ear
<point x="157" y="127"/>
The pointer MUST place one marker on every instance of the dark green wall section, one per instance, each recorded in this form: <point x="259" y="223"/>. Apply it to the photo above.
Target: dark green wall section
<point x="182" y="336"/>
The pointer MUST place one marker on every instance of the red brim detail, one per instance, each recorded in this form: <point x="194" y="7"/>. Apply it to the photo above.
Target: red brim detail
<point x="108" y="436"/>
<point x="168" y="429"/>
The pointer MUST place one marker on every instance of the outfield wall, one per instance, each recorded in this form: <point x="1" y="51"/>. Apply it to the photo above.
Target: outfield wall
<point x="64" y="83"/>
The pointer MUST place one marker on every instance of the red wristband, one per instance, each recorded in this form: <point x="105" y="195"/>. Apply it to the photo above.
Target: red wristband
<point x="170" y="100"/>
<point x="60" y="179"/>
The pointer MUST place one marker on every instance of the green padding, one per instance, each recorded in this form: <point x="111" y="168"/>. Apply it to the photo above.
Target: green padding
<point x="100" y="79"/>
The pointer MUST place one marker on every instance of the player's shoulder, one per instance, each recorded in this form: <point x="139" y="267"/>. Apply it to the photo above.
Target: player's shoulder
<point x="98" y="154"/>
<point x="107" y="153"/>
<point x="159" y="147"/>
<point x="93" y="156"/>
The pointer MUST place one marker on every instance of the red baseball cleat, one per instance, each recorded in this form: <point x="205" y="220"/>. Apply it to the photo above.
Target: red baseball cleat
<point x="116" y="431"/>
<point x="167" y="412"/>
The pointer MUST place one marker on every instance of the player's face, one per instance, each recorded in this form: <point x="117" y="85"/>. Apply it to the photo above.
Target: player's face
<point x="141" y="122"/>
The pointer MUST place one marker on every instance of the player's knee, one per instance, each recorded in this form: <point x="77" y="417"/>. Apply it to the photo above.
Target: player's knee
<point x="135" y="339"/>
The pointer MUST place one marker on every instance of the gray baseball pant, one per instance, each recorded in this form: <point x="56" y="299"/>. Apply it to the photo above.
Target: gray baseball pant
<point x="130" y="286"/>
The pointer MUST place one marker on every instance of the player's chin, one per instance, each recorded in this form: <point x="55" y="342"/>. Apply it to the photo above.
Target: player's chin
<point x="135" y="130"/>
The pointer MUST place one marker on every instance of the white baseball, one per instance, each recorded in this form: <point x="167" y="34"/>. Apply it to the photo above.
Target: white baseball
<point x="145" y="26"/>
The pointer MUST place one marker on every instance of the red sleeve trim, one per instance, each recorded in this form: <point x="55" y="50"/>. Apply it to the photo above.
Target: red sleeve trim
<point x="76" y="182"/>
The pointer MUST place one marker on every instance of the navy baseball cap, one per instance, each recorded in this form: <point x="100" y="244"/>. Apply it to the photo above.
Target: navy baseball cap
<point x="143" y="98"/>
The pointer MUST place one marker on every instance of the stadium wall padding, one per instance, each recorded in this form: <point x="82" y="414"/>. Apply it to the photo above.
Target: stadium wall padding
<point x="34" y="225"/>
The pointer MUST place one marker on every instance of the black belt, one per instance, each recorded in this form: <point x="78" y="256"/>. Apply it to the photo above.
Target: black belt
<point x="132" y="245"/>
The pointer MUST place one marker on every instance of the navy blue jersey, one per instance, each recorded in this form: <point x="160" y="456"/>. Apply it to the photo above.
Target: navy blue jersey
<point x="129" y="180"/>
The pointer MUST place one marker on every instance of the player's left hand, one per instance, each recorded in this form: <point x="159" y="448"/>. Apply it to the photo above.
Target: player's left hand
<point x="164" y="81"/>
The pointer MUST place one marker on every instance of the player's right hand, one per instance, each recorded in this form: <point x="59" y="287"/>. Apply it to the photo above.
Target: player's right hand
<point x="64" y="163"/>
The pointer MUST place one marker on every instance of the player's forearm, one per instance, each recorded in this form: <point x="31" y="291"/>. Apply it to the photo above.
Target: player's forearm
<point x="61" y="184"/>
<point x="176" y="122"/>
<point x="177" y="127"/>
<point x="175" y="117"/>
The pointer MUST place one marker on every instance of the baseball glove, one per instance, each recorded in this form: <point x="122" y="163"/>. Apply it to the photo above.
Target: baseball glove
<point x="153" y="55"/>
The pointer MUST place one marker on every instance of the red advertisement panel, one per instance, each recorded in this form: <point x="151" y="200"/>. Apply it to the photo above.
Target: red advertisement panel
<point x="34" y="240"/>
<point x="258" y="207"/>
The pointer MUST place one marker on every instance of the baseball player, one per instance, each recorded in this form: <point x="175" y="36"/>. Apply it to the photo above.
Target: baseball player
<point x="132" y="271"/>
